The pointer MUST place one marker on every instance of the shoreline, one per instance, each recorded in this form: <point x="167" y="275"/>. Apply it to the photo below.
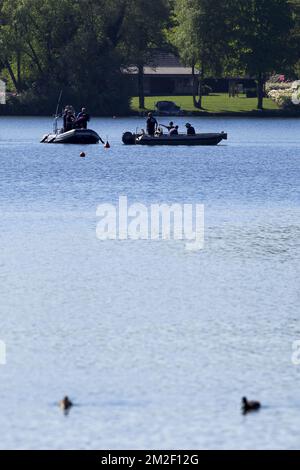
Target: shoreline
<point x="247" y="114"/>
<point x="265" y="114"/>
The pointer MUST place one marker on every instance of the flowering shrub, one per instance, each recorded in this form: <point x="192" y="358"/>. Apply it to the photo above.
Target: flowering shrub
<point x="270" y="86"/>
<point x="296" y="92"/>
<point x="286" y="94"/>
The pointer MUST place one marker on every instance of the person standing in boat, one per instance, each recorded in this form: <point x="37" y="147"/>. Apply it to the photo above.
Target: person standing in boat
<point x="69" y="121"/>
<point x="82" y="119"/>
<point x="69" y="118"/>
<point x="152" y="125"/>
<point x="190" y="129"/>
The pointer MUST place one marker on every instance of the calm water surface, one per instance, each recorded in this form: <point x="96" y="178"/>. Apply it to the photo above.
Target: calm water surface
<point x="155" y="345"/>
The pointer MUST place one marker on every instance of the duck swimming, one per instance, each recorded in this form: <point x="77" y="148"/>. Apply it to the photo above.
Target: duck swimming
<point x="250" y="406"/>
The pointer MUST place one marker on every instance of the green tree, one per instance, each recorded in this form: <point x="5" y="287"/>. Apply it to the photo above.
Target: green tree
<point x="202" y="35"/>
<point x="253" y="37"/>
<point x="295" y="5"/>
<point x="143" y="32"/>
<point x="265" y="45"/>
<point x="34" y="34"/>
<point x="71" y="44"/>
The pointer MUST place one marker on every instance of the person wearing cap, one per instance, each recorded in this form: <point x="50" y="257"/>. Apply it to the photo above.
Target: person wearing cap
<point x="152" y="125"/>
<point x="190" y="129"/>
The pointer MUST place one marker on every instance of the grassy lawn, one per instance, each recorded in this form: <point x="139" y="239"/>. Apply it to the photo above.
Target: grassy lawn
<point x="216" y="103"/>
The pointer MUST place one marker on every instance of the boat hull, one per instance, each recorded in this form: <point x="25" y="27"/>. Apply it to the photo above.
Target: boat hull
<point x="75" y="136"/>
<point x="176" y="140"/>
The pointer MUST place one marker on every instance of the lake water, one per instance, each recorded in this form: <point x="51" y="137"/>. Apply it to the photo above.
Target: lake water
<point x="154" y="344"/>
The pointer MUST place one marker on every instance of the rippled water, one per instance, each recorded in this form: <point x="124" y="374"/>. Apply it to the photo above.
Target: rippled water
<point x="155" y="345"/>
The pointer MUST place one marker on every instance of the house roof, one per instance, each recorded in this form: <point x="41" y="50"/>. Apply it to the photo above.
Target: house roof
<point x="168" y="70"/>
<point x="163" y="63"/>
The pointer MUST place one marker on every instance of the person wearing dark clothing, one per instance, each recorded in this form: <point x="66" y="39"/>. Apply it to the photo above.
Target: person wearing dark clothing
<point x="174" y="131"/>
<point x="190" y="129"/>
<point x="82" y="119"/>
<point x="152" y="125"/>
<point x="69" y="121"/>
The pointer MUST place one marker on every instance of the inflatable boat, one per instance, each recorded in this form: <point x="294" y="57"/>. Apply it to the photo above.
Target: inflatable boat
<point x="181" y="139"/>
<point x="75" y="136"/>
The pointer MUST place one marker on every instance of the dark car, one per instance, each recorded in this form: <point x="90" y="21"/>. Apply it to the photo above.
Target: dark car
<point x="167" y="108"/>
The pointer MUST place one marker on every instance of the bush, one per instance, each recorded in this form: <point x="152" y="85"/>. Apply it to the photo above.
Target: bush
<point x="40" y="101"/>
<point x="284" y="94"/>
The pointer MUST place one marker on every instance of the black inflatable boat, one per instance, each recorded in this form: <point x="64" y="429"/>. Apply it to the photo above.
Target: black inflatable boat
<point x="181" y="139"/>
<point x="75" y="136"/>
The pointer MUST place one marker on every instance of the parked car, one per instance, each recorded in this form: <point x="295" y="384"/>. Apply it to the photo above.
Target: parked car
<point x="251" y="92"/>
<point x="167" y="108"/>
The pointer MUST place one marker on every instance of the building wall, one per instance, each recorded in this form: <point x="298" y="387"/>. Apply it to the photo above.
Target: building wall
<point x="168" y="85"/>
<point x="183" y="85"/>
<point x="221" y="85"/>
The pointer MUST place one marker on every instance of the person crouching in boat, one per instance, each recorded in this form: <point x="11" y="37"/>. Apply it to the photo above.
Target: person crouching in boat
<point x="174" y="131"/>
<point x="190" y="129"/>
<point x="159" y="132"/>
<point x="82" y="119"/>
<point x="152" y="125"/>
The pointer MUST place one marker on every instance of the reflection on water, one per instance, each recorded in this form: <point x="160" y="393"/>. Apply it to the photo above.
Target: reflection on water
<point x="155" y="345"/>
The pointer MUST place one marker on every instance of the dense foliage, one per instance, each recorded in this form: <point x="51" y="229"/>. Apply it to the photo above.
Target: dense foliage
<point x="238" y="37"/>
<point x="79" y="46"/>
<point x="82" y="46"/>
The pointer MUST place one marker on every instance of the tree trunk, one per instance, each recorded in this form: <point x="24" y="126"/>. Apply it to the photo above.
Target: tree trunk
<point x="197" y="88"/>
<point x="34" y="57"/>
<point x="141" y="87"/>
<point x="19" y="74"/>
<point x="12" y="76"/>
<point x="260" y="91"/>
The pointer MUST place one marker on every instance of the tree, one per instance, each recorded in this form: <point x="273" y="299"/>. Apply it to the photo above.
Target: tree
<point x="142" y="34"/>
<point x="34" y="33"/>
<point x="48" y="45"/>
<point x="202" y="36"/>
<point x="295" y="6"/>
<point x="265" y="39"/>
<point x="82" y="45"/>
<point x="11" y="45"/>
<point x="254" y="37"/>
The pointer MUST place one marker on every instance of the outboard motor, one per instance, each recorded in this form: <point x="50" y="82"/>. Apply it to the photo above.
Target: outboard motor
<point x="128" y="138"/>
